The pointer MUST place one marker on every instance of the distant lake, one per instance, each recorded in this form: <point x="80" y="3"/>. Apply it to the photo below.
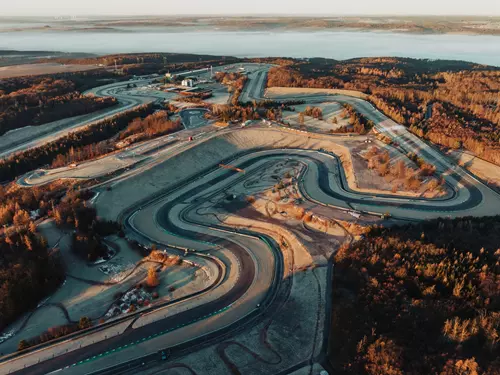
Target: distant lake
<point x="483" y="49"/>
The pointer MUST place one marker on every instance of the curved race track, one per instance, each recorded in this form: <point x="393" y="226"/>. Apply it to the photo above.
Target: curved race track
<point x="256" y="265"/>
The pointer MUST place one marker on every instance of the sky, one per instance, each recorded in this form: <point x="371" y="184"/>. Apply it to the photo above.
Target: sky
<point x="217" y="7"/>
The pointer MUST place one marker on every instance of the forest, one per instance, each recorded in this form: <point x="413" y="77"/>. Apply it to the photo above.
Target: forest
<point x="487" y="25"/>
<point x="29" y="270"/>
<point x="138" y="129"/>
<point x="74" y="212"/>
<point x="454" y="104"/>
<point x="38" y="100"/>
<point x="149" y="63"/>
<point x="34" y="158"/>
<point x="140" y="58"/>
<point x="419" y="299"/>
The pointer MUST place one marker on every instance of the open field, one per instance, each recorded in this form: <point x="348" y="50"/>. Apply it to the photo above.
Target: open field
<point x="40" y="69"/>
<point x="483" y="169"/>
<point x="330" y="112"/>
<point x="277" y="92"/>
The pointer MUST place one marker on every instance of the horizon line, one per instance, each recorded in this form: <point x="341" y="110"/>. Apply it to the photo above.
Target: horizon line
<point x="262" y="15"/>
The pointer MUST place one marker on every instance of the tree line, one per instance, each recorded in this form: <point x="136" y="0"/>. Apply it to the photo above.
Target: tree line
<point x="31" y="159"/>
<point x="452" y="103"/>
<point x="38" y="100"/>
<point x="73" y="211"/>
<point x="29" y="269"/>
<point x="358" y="123"/>
<point x="235" y="81"/>
<point x="148" y="63"/>
<point x="139" y="129"/>
<point x="28" y="272"/>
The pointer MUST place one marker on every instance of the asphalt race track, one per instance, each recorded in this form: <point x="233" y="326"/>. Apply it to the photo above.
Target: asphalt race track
<point x="261" y="267"/>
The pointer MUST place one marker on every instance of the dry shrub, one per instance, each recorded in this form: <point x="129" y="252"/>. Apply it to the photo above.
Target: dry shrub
<point x="372" y="163"/>
<point x="158" y="256"/>
<point x="162" y="257"/>
<point x="432" y="185"/>
<point x="401" y="273"/>
<point x="399" y="169"/>
<point x="427" y="169"/>
<point x="343" y="253"/>
<point x="299" y="213"/>
<point x="250" y="199"/>
<point x="430" y="291"/>
<point x="384" y="157"/>
<point x="383" y="169"/>
<point x="152" y="279"/>
<point x="308" y="217"/>
<point x="412" y="183"/>
<point x="176" y="260"/>
<point x="373" y="151"/>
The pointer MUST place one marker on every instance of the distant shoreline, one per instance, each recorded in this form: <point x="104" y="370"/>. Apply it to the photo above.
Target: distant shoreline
<point x="174" y="28"/>
<point x="422" y="25"/>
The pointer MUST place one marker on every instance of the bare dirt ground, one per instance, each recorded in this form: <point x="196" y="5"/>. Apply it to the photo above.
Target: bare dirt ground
<point x="39" y="69"/>
<point x="326" y="125"/>
<point x="274" y="92"/>
<point x="369" y="179"/>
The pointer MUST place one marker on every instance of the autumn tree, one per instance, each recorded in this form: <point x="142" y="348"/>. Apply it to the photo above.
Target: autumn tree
<point x="21" y="218"/>
<point x="23" y="344"/>
<point x="84" y="322"/>
<point x="383" y="357"/>
<point x="32" y="227"/>
<point x="152" y="278"/>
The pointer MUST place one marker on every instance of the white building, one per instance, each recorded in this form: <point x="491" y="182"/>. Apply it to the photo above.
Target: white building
<point x="188" y="82"/>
